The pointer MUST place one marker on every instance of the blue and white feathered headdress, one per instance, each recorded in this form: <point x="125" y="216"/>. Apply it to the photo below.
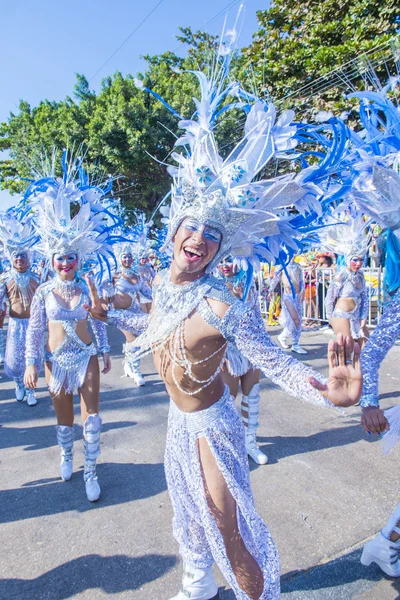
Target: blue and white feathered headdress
<point x="224" y="193"/>
<point x="72" y="215"/>
<point x="17" y="234"/>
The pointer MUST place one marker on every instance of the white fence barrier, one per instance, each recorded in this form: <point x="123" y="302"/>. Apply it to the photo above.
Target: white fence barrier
<point x="316" y="284"/>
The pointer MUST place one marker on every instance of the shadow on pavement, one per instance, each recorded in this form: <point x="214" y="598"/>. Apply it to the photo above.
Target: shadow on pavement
<point x="340" y="579"/>
<point x="111" y="574"/>
<point x="283" y="446"/>
<point x="120" y="483"/>
<point x="346" y="574"/>
<point x="44" y="436"/>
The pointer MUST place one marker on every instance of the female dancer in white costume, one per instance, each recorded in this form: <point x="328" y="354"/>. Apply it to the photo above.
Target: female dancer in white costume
<point x="291" y="303"/>
<point x="346" y="301"/>
<point x="71" y="363"/>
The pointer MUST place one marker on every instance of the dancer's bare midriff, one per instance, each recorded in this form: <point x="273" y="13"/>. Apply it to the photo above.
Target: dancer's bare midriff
<point x="346" y="304"/>
<point x="56" y="331"/>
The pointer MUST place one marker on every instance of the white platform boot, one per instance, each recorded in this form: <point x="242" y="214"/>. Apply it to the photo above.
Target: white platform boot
<point x="382" y="551"/>
<point x="251" y="405"/>
<point x="132" y="366"/>
<point x="197" y="584"/>
<point x="296" y="346"/>
<point x="282" y="339"/>
<point x="31" y="399"/>
<point x="137" y="376"/>
<point x="65" y="439"/>
<point x="91" y="445"/>
<point x="19" y="391"/>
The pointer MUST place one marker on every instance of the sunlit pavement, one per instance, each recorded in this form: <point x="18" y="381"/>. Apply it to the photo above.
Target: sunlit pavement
<point x="326" y="490"/>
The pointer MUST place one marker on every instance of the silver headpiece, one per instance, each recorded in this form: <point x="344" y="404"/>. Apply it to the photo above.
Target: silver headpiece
<point x="223" y="193"/>
<point x="16" y="236"/>
<point x="348" y="239"/>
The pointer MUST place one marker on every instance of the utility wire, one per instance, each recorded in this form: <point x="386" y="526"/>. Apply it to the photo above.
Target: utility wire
<point x="126" y="39"/>
<point x="221" y="12"/>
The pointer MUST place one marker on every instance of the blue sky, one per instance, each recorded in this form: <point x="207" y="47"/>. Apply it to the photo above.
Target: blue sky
<point x="47" y="41"/>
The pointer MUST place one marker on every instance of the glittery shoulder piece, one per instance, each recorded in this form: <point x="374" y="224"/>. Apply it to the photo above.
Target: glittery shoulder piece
<point x="220" y="291"/>
<point x="226" y="324"/>
<point x="45" y="288"/>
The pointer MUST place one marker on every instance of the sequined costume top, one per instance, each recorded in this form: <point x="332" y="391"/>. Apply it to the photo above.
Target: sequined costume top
<point x="22" y="288"/>
<point x="346" y="284"/>
<point x="378" y="345"/>
<point x="241" y="325"/>
<point x="45" y="308"/>
<point x="126" y="286"/>
<point x="146" y="273"/>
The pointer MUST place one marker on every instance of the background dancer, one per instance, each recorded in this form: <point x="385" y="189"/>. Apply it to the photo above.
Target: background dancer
<point x="71" y="363"/>
<point x="129" y="287"/>
<point x="346" y="301"/>
<point x="18" y="287"/>
<point x="238" y="369"/>
<point x="291" y="307"/>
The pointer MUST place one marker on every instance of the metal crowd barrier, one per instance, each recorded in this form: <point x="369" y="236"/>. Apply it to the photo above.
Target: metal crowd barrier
<point x="316" y="283"/>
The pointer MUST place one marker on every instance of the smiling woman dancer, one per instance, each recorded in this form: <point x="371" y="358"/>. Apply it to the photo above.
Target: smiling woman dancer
<point x="215" y="206"/>
<point x="71" y="363"/>
<point x="346" y="301"/>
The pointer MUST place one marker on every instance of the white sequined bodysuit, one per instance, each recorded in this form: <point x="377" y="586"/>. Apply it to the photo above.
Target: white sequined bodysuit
<point x="70" y="360"/>
<point x="346" y="284"/>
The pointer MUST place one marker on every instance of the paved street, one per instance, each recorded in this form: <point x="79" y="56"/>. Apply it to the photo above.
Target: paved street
<point x="327" y="490"/>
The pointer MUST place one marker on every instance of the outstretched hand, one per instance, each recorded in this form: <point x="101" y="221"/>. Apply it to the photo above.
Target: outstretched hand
<point x="345" y="379"/>
<point x="98" y="307"/>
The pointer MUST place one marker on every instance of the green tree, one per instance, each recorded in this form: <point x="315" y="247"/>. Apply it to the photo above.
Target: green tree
<point x="298" y="41"/>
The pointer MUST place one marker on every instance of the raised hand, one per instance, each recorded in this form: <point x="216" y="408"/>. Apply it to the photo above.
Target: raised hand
<point x="345" y="380"/>
<point x="98" y="306"/>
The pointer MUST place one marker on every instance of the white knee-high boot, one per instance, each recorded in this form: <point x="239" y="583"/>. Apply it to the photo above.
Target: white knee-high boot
<point x="91" y="444"/>
<point x="137" y="375"/>
<point x="251" y="405"/>
<point x="132" y="365"/>
<point x="282" y="338"/>
<point x="382" y="551"/>
<point x="197" y="584"/>
<point x="65" y="439"/>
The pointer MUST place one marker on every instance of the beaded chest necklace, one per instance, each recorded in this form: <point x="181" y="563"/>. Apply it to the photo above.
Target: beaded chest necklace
<point x="22" y="290"/>
<point x="173" y="305"/>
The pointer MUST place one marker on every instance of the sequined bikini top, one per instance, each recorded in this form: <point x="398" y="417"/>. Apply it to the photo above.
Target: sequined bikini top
<point x="56" y="312"/>
<point x="123" y="286"/>
<point x="349" y="284"/>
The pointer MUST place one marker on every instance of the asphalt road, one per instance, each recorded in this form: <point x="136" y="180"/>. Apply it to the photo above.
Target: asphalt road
<point x="326" y="490"/>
